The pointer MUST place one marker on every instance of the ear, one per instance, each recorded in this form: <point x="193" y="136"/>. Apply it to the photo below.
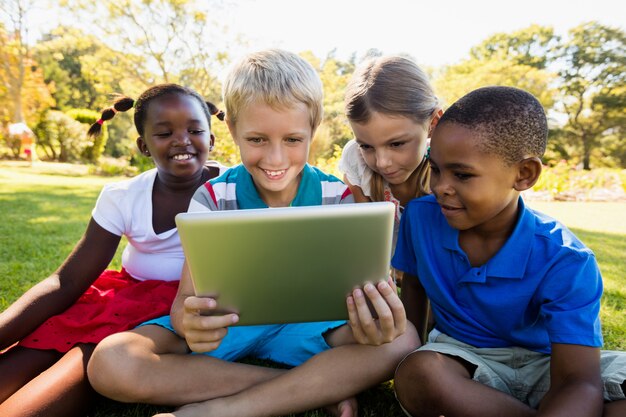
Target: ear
<point x="433" y="122"/>
<point x="143" y="148"/>
<point x="211" y="142"/>
<point x="528" y="173"/>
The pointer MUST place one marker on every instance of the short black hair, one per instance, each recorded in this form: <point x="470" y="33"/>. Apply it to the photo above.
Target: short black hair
<point x="510" y="122"/>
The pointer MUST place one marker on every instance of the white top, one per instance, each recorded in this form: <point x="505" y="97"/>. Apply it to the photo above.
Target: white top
<point x="125" y="209"/>
<point x="353" y="166"/>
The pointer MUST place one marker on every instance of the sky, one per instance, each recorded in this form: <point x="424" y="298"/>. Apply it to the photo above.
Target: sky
<point x="434" y="33"/>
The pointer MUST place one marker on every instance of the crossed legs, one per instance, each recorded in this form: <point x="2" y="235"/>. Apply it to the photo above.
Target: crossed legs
<point x="151" y="365"/>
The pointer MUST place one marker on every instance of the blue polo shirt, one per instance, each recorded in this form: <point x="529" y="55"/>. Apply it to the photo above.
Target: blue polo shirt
<point x="543" y="286"/>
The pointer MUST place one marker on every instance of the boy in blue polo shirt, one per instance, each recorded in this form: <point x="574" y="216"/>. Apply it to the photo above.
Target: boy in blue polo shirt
<point x="273" y="105"/>
<point x="515" y="295"/>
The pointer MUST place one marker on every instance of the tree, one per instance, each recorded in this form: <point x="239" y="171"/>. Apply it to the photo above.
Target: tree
<point x="532" y="46"/>
<point x="161" y="40"/>
<point x="68" y="59"/>
<point x="455" y="81"/>
<point x="14" y="52"/>
<point x="334" y="128"/>
<point x="593" y="87"/>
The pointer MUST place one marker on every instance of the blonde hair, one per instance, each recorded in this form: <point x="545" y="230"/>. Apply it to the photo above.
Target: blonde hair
<point x="278" y="78"/>
<point x="395" y="86"/>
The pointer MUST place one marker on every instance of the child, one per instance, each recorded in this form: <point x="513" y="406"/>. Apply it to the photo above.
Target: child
<point x="173" y="123"/>
<point x="392" y="110"/>
<point x="273" y="105"/>
<point x="515" y="294"/>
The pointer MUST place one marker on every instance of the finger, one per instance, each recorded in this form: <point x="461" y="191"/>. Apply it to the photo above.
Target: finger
<point x="200" y="347"/>
<point x="200" y="305"/>
<point x="395" y="305"/>
<point x="194" y="322"/>
<point x="392" y="283"/>
<point x="368" y="323"/>
<point x="355" y="322"/>
<point x="386" y="324"/>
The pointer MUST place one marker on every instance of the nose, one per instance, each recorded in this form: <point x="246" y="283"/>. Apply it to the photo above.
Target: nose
<point x="439" y="185"/>
<point x="182" y="138"/>
<point x="383" y="160"/>
<point x="275" y="155"/>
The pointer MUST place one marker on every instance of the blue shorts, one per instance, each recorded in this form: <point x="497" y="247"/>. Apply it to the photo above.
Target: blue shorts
<point x="290" y="344"/>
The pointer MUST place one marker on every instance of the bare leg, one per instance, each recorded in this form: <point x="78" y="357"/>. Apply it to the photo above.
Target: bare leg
<point x="62" y="390"/>
<point x="431" y="384"/>
<point x="19" y="365"/>
<point x="616" y="408"/>
<point x="327" y="378"/>
<point x="152" y="365"/>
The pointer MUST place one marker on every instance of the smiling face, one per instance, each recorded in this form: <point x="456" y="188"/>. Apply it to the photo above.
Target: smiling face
<point x="476" y="190"/>
<point x="274" y="147"/>
<point x="392" y="146"/>
<point x="176" y="135"/>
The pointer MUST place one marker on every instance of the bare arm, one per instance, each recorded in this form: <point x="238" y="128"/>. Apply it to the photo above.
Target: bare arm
<point x="198" y="319"/>
<point x="91" y="255"/>
<point x="575" y="383"/>
<point x="357" y="192"/>
<point x="416" y="304"/>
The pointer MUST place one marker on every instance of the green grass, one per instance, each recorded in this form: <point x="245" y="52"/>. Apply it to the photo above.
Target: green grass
<point x="44" y="214"/>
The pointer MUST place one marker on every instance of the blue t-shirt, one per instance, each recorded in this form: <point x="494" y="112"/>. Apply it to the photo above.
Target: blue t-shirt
<point x="543" y="286"/>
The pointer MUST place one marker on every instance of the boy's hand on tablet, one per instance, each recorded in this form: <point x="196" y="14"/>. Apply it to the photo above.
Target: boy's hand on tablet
<point x="388" y="320"/>
<point x="204" y="324"/>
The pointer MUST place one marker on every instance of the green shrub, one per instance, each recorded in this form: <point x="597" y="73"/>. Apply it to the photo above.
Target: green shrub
<point x="61" y="137"/>
<point x="565" y="179"/>
<point x="88" y="117"/>
<point x="113" y="167"/>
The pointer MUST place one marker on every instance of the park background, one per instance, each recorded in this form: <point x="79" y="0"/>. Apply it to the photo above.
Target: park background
<point x="61" y="60"/>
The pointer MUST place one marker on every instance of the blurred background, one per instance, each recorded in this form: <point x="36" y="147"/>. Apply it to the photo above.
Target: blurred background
<point x="61" y="59"/>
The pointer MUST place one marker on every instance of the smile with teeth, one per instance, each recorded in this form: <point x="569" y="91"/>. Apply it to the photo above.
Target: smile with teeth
<point x="273" y="174"/>
<point x="182" y="157"/>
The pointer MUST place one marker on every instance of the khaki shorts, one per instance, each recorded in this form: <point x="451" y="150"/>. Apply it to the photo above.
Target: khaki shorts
<point x="522" y="373"/>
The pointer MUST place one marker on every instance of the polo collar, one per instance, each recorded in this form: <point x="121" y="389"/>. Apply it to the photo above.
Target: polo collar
<point x="511" y="260"/>
<point x="309" y="191"/>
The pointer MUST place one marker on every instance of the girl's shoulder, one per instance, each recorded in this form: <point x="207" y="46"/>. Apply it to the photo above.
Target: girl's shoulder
<point x="138" y="182"/>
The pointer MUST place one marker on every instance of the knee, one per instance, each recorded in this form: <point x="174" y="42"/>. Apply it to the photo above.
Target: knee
<point x="410" y="340"/>
<point x="417" y="382"/>
<point x="114" y="369"/>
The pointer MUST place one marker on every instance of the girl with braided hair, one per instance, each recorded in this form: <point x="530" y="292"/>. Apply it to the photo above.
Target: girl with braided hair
<point x="50" y="332"/>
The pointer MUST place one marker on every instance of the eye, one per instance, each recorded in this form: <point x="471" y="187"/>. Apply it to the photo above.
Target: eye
<point x="365" y="147"/>
<point x="196" y="131"/>
<point x="463" y="176"/>
<point x="162" y="134"/>
<point x="293" y="140"/>
<point x="255" y="140"/>
<point x="396" y="144"/>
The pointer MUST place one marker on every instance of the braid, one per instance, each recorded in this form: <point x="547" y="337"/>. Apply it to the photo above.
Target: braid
<point x="215" y="111"/>
<point x="121" y="103"/>
<point x="124" y="103"/>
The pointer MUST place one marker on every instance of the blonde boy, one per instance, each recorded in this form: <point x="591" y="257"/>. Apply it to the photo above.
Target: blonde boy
<point x="274" y="105"/>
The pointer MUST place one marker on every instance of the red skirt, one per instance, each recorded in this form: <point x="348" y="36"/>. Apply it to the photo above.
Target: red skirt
<point x="115" y="302"/>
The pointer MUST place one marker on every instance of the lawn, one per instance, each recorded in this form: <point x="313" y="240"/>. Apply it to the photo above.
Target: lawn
<point x="44" y="212"/>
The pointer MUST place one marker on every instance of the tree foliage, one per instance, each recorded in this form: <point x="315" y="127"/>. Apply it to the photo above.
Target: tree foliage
<point x="593" y="88"/>
<point x="579" y="79"/>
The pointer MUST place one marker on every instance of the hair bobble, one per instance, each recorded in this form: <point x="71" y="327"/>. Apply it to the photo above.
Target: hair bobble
<point x="100" y="121"/>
